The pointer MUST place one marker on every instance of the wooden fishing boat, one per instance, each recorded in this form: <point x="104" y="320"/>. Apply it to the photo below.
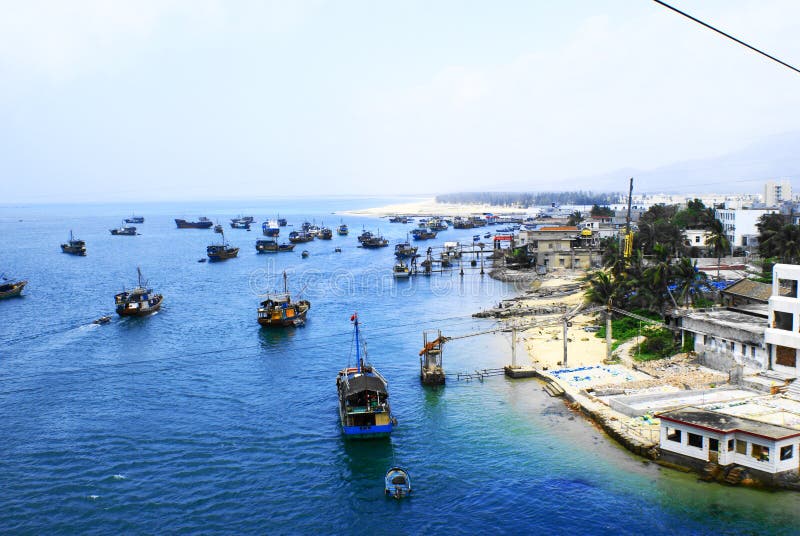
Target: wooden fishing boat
<point x="221" y="251"/>
<point x="279" y="310"/>
<point x="423" y="234"/>
<point x="125" y="230"/>
<point x="342" y="230"/>
<point x="74" y="246"/>
<point x="401" y="270"/>
<point x="404" y="250"/>
<point x="11" y="289"/>
<point x="299" y="237"/>
<point x="324" y="233"/>
<point x="364" y="409"/>
<point x="134" y="219"/>
<point x="397" y="483"/>
<point x="374" y="242"/>
<point x="139" y="301"/>
<point x="267" y="245"/>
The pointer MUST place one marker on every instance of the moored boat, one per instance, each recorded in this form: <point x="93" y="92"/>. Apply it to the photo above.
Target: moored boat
<point x="404" y="250"/>
<point x="201" y="223"/>
<point x="134" y="219"/>
<point x="365" y="235"/>
<point x="305" y="254"/>
<point x="324" y="233"/>
<point x="267" y="245"/>
<point x="10" y="288"/>
<point x="271" y="228"/>
<point x="401" y="270"/>
<point x="139" y="301"/>
<point x="423" y="234"/>
<point x="237" y="223"/>
<point x="342" y="230"/>
<point x="221" y="251"/>
<point x="298" y="237"/>
<point x="279" y="310"/>
<point x="125" y="230"/>
<point x="375" y="242"/>
<point x="397" y="483"/>
<point x="74" y="246"/>
<point x="282" y="222"/>
<point x="364" y="410"/>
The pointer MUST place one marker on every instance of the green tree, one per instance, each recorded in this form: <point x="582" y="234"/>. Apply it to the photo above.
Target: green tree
<point x="597" y="210"/>
<point x="690" y="283"/>
<point x="602" y="287"/>
<point x="718" y="241"/>
<point x="787" y="243"/>
<point x="575" y="218"/>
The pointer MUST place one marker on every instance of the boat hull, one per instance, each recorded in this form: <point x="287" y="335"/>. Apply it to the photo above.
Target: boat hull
<point x="72" y="250"/>
<point x="123" y="310"/>
<point x="183" y="224"/>
<point x="16" y="290"/>
<point x="367" y="432"/>
<point x="223" y="254"/>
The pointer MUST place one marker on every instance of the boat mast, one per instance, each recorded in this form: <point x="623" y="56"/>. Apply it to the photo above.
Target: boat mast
<point x="285" y="285"/>
<point x="358" y="344"/>
<point x="139" y="271"/>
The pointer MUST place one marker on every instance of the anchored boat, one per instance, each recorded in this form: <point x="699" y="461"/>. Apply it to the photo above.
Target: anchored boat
<point x="278" y="310"/>
<point x="397" y="483"/>
<point x="201" y="223"/>
<point x="271" y="228"/>
<point x="134" y="219"/>
<point x="74" y="246"/>
<point x="404" y="250"/>
<point x="299" y="237"/>
<point x="10" y="288"/>
<point x="125" y="230"/>
<point x="401" y="270"/>
<point x="363" y="397"/>
<point x="269" y="245"/>
<point x="140" y="301"/>
<point x="324" y="233"/>
<point x="221" y="251"/>
<point x="423" y="234"/>
<point x="342" y="230"/>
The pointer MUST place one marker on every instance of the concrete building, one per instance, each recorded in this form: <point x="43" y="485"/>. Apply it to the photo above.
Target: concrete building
<point x="696" y="237"/>
<point x="783" y="333"/>
<point x="726" y="338"/>
<point x="558" y="247"/>
<point x="777" y="192"/>
<point x="695" y="436"/>
<point x="740" y="224"/>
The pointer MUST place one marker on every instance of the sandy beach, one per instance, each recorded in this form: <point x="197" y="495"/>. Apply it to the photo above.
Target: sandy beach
<point x="429" y="207"/>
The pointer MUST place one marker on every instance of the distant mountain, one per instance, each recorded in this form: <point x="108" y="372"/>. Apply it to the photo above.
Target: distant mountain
<point x="742" y="171"/>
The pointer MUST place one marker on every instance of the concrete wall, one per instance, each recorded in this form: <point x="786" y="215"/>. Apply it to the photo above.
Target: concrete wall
<point x="784" y="304"/>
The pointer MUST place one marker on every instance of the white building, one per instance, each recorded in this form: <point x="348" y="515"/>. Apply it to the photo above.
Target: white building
<point x="777" y="192"/>
<point x="696" y="237"/>
<point x="696" y="436"/>
<point x="784" y="319"/>
<point x="740" y="224"/>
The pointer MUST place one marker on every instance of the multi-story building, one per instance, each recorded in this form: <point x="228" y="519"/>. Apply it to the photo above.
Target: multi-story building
<point x="739" y="224"/>
<point x="783" y="333"/>
<point x="777" y="192"/>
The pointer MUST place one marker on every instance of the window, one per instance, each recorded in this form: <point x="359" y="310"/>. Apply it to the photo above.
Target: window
<point x="713" y="444"/>
<point x="730" y="445"/>
<point x="561" y="262"/>
<point x="744" y="350"/>
<point x="785" y="356"/>
<point x="705" y="339"/>
<point x="732" y="346"/>
<point x="760" y="453"/>
<point x="697" y="239"/>
<point x="741" y="447"/>
<point x="695" y="440"/>
<point x="674" y="434"/>
<point x="787" y="452"/>
<point x="752" y="351"/>
<point x="782" y="320"/>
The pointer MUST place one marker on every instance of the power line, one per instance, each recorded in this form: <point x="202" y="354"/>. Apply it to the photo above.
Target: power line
<point x="754" y="49"/>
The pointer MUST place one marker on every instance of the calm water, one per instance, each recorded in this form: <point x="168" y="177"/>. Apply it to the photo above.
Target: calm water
<point x="196" y="420"/>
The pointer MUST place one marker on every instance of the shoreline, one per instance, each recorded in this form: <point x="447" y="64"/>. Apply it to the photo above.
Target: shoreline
<point x="429" y="207"/>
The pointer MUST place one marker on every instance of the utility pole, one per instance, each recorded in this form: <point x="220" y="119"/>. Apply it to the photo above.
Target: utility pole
<point x="514" y="346"/>
<point x="564" y="362"/>
<point x="608" y="332"/>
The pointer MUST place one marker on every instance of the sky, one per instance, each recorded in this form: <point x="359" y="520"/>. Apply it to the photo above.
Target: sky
<point x="204" y="99"/>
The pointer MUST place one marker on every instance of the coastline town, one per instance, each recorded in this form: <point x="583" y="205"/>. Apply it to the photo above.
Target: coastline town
<point x="684" y="348"/>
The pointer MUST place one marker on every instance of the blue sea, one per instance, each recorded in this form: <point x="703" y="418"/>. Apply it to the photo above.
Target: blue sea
<point x="196" y="420"/>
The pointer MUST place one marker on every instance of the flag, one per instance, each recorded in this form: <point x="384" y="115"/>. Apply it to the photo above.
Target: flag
<point x="352" y="318"/>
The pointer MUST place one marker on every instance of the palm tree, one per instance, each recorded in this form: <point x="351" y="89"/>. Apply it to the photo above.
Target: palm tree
<point x="602" y="287"/>
<point x="656" y="277"/>
<point x="718" y="241"/>
<point x="690" y="283"/>
<point x="787" y="243"/>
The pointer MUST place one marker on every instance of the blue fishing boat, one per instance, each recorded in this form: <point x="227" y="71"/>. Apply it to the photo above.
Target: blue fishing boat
<point x="363" y="397"/>
<point x="397" y="483"/>
<point x="271" y="228"/>
<point x="342" y="230"/>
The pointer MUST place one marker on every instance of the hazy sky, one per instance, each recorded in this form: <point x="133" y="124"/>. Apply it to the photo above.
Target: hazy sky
<point x="171" y="99"/>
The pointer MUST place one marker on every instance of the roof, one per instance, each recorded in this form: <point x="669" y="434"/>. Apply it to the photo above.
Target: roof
<point x="357" y="384"/>
<point x="559" y="228"/>
<point x="753" y="290"/>
<point x="723" y="423"/>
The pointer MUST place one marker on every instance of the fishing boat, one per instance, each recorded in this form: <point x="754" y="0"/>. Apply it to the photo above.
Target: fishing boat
<point x="298" y="237"/>
<point x="476" y="238"/>
<point x="401" y="270"/>
<point x="342" y="230"/>
<point x="218" y="229"/>
<point x="139" y="301"/>
<point x="364" y="409"/>
<point x="365" y="235"/>
<point x="282" y="222"/>
<point x="324" y="233"/>
<point x="201" y="223"/>
<point x="269" y="245"/>
<point x="487" y="235"/>
<point x="10" y="288"/>
<point x="125" y="230"/>
<point x="221" y="251"/>
<point x="134" y="219"/>
<point x="271" y="228"/>
<point x="398" y="219"/>
<point x="279" y="310"/>
<point x="404" y="250"/>
<point x="423" y="234"/>
<point x="437" y="224"/>
<point x="397" y="483"/>
<point x="305" y="254"/>
<point x="237" y="223"/>
<point x="74" y="246"/>
<point x="375" y="242"/>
